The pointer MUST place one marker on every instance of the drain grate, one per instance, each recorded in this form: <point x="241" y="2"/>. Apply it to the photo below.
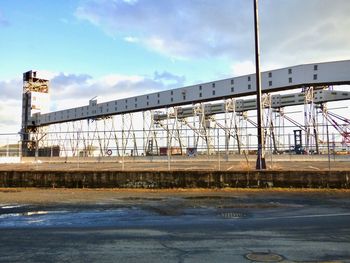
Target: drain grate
<point x="264" y="257"/>
<point x="232" y="215"/>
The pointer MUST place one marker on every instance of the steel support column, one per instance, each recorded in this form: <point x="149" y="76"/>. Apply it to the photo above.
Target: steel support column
<point x="260" y="162"/>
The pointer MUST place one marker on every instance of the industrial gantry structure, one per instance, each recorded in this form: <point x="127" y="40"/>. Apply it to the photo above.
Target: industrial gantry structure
<point x="207" y="118"/>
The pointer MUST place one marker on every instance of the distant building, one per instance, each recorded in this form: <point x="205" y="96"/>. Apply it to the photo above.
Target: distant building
<point x="10" y="150"/>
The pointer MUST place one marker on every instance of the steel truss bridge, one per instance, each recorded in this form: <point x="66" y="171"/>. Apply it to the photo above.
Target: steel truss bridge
<point x="206" y="118"/>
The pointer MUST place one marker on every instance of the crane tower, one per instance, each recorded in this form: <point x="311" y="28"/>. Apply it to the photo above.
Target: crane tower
<point x="35" y="99"/>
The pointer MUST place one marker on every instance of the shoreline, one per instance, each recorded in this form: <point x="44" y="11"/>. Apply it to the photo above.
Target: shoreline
<point x="52" y="196"/>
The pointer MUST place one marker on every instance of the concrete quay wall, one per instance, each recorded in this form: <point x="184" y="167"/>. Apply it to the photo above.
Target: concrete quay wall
<point x="175" y="158"/>
<point x="175" y="179"/>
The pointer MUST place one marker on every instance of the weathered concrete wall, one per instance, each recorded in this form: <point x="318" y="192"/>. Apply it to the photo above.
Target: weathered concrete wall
<point x="175" y="179"/>
<point x="211" y="158"/>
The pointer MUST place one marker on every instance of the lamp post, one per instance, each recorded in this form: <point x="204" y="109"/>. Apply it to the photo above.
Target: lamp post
<point x="260" y="162"/>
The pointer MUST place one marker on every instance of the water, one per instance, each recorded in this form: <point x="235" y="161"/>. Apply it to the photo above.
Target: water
<point x="24" y="216"/>
<point x="40" y="216"/>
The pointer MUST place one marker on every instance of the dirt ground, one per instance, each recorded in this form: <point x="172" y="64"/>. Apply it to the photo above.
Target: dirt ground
<point x="105" y="196"/>
<point x="178" y="164"/>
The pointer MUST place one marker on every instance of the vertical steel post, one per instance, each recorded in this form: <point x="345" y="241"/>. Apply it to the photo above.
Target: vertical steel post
<point x="260" y="162"/>
<point x="328" y="149"/>
<point x="123" y="142"/>
<point x="7" y="147"/>
<point x="167" y="138"/>
<point x="226" y="130"/>
<point x="219" y="161"/>
<point x="144" y="135"/>
<point x="324" y="111"/>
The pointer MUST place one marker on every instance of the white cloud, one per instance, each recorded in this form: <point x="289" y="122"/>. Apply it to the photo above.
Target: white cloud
<point x="248" y="67"/>
<point x="131" y="39"/>
<point x="178" y="29"/>
<point x="11" y="89"/>
<point x="114" y="79"/>
<point x="243" y="68"/>
<point x="45" y="74"/>
<point x="73" y="89"/>
<point x="292" y="32"/>
<point x="69" y="90"/>
<point x="10" y="116"/>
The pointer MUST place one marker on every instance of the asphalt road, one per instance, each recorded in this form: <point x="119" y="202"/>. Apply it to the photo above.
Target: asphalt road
<point x="228" y="227"/>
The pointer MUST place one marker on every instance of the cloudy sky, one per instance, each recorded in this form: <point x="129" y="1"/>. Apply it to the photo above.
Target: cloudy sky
<point x="118" y="48"/>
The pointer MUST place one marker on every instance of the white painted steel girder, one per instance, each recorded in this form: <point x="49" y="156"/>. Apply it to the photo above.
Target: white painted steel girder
<point x="315" y="74"/>
<point x="277" y="101"/>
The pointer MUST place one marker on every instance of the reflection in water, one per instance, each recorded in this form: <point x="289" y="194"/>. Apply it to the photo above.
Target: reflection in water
<point x="102" y="216"/>
<point x="73" y="216"/>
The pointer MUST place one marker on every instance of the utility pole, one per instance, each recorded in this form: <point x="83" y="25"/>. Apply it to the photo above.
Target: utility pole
<point x="260" y="162"/>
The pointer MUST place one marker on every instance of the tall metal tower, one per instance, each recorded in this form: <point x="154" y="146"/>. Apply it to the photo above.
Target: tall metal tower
<point x="35" y="99"/>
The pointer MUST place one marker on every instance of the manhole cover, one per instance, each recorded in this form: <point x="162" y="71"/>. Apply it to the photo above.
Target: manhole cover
<point x="264" y="257"/>
<point x="232" y="215"/>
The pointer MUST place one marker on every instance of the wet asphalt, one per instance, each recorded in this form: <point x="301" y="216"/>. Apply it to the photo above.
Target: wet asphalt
<point x="297" y="228"/>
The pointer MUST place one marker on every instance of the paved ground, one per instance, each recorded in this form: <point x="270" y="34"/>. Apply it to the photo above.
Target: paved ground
<point x="174" y="225"/>
<point x="233" y="163"/>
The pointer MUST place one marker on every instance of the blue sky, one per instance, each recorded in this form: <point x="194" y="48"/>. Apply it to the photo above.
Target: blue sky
<point x="118" y="48"/>
<point x="56" y="36"/>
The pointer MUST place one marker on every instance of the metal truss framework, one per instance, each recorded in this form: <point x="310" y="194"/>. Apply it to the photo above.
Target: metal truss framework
<point x="216" y="118"/>
<point x="199" y="128"/>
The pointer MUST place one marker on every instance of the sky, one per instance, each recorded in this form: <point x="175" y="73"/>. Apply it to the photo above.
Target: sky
<point x="119" y="48"/>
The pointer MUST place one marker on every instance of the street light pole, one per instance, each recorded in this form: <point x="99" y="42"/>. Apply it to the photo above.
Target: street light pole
<point x="260" y="162"/>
